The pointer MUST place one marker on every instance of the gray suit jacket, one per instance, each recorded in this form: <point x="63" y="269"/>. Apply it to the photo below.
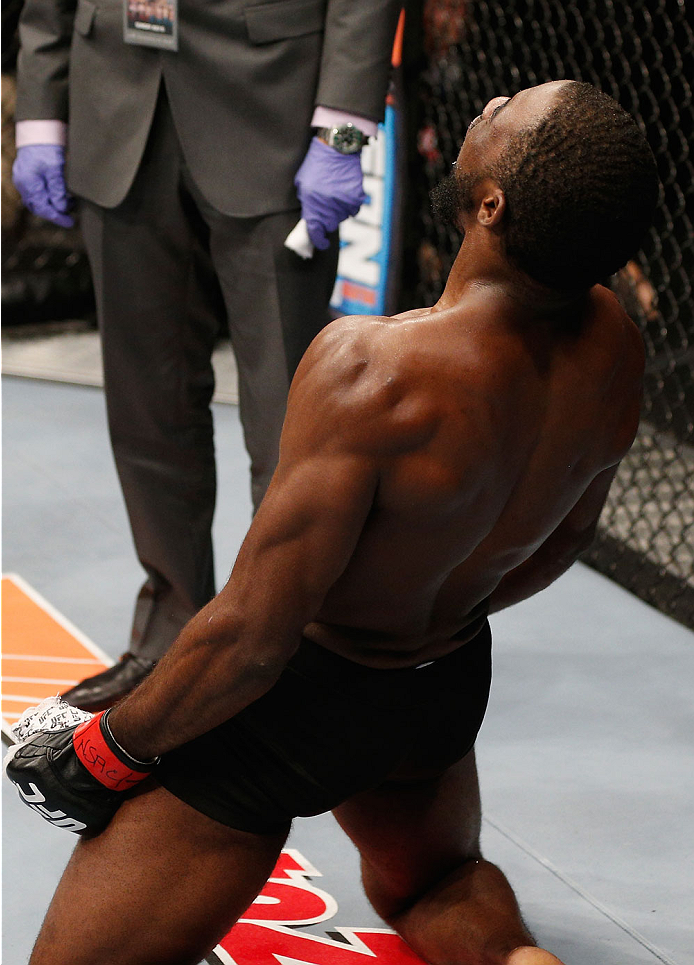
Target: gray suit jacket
<point x="242" y="87"/>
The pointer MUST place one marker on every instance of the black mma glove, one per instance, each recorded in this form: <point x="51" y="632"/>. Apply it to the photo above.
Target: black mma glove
<point x="75" y="776"/>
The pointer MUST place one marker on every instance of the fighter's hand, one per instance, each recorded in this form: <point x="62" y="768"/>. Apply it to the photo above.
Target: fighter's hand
<point x="330" y="188"/>
<point x="38" y="176"/>
<point x="68" y="767"/>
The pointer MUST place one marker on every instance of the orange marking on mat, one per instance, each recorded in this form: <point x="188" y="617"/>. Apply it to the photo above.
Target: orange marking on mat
<point x="42" y="652"/>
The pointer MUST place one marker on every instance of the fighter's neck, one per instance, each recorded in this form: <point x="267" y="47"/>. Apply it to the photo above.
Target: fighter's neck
<point x="482" y="268"/>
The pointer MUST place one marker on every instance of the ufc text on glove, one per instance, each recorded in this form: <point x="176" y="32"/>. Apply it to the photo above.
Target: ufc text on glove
<point x="76" y="778"/>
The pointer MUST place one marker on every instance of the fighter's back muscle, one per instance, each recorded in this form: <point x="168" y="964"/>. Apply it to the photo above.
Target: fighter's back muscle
<point x="511" y="437"/>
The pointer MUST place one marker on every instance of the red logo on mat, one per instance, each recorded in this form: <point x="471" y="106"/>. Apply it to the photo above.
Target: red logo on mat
<point x="270" y="935"/>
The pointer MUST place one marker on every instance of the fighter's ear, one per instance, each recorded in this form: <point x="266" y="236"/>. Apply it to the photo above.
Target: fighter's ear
<point x="492" y="205"/>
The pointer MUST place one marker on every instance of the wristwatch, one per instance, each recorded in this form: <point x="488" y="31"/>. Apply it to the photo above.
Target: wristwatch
<point x="347" y="139"/>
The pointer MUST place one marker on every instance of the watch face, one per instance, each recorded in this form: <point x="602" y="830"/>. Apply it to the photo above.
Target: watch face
<point x="347" y="139"/>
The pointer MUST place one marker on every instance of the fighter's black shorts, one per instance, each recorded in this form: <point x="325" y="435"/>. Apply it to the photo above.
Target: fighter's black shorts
<point x="328" y="729"/>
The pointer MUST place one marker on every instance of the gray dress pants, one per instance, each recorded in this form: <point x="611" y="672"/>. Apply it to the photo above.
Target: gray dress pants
<point x="169" y="271"/>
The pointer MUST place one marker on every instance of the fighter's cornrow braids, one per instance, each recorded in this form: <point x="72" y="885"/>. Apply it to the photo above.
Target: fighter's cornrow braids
<point x="580" y="188"/>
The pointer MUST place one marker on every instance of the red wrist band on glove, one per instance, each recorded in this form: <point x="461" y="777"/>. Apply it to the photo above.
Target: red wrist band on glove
<point x="101" y="760"/>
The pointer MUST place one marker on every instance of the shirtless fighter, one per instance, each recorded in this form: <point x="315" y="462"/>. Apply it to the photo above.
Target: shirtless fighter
<point x="435" y="467"/>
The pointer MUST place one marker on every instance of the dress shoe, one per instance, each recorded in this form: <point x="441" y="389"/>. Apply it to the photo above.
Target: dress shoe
<point x="105" y="688"/>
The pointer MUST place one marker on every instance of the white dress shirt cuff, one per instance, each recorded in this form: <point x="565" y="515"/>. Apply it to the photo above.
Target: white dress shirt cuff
<point x="327" y="117"/>
<point x="40" y="132"/>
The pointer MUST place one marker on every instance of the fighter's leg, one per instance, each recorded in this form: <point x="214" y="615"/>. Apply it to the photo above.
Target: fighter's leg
<point x="424" y="873"/>
<point x="160" y="886"/>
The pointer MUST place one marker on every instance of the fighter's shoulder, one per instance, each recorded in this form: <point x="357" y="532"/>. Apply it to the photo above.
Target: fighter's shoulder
<point x="611" y="313"/>
<point x="359" y="370"/>
<point x="345" y="345"/>
<point x="620" y="369"/>
<point x="405" y="364"/>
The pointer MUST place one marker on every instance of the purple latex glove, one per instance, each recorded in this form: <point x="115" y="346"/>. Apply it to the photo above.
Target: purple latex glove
<point x="38" y="176"/>
<point x="330" y="189"/>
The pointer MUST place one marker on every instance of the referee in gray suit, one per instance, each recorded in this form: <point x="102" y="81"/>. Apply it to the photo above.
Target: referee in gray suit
<point x="193" y="136"/>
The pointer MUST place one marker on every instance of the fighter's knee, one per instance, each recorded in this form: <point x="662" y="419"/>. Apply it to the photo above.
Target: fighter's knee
<point x="393" y="895"/>
<point x="385" y="897"/>
<point x="529" y="955"/>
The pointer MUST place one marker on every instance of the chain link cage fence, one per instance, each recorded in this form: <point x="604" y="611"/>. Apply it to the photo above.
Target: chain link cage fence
<point x="642" y="54"/>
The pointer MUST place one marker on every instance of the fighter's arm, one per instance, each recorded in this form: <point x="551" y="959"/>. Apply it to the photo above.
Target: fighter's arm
<point x="300" y="541"/>
<point x="560" y="550"/>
